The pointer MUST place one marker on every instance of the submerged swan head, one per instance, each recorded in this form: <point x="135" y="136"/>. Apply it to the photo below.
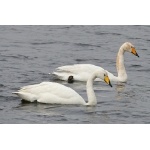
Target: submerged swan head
<point x="129" y="48"/>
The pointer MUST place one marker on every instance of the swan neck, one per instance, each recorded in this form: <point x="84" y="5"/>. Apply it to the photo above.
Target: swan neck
<point x="90" y="91"/>
<point x="122" y="75"/>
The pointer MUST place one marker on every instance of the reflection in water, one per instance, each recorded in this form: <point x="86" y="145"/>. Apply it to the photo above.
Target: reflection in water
<point x="120" y="88"/>
<point x="90" y="109"/>
<point x="91" y="115"/>
<point x="39" y="109"/>
<point x="35" y="105"/>
<point x="26" y="104"/>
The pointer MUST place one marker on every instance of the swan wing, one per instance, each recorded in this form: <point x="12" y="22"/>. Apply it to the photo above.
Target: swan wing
<point x="77" y="68"/>
<point x="50" y="92"/>
<point x="80" y="72"/>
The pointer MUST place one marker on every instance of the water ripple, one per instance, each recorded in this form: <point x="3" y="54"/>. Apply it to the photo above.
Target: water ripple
<point x="86" y="45"/>
<point x="29" y="53"/>
<point x="107" y="33"/>
<point x="43" y="43"/>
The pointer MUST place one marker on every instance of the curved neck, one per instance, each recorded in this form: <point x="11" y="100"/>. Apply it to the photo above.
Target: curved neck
<point x="90" y="92"/>
<point x="122" y="75"/>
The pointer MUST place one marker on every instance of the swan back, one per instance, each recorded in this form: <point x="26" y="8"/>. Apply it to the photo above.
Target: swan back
<point x="50" y="92"/>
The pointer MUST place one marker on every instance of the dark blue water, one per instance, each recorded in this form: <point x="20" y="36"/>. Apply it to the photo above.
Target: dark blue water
<point x="29" y="53"/>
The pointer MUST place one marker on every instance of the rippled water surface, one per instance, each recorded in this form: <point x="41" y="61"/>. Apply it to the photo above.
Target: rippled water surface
<point x="29" y="53"/>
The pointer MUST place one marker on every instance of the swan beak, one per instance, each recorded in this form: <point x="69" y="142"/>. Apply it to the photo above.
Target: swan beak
<point x="106" y="79"/>
<point x="133" y="51"/>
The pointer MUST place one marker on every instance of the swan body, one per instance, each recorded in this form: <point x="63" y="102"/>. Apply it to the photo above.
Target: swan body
<point x="81" y="72"/>
<point x="55" y="93"/>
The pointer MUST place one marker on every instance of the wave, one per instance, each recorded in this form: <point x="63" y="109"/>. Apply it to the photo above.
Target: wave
<point x="43" y="43"/>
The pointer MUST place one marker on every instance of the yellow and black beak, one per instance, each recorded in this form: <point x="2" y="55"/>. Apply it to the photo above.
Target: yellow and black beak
<point x="133" y="51"/>
<point x="106" y="79"/>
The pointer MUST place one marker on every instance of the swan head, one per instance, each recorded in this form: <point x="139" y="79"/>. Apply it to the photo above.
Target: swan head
<point x="129" y="48"/>
<point x="102" y="74"/>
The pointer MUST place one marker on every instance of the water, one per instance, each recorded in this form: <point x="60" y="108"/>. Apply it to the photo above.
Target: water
<point x="29" y="53"/>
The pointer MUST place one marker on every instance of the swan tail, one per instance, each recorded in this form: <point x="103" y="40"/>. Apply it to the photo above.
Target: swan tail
<point x="26" y="96"/>
<point x="62" y="75"/>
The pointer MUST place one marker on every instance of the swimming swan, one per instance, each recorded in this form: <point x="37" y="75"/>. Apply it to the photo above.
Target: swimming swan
<point x="55" y="93"/>
<point x="81" y="72"/>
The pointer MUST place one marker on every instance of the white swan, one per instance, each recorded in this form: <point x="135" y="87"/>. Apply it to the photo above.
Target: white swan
<point x="81" y="72"/>
<point x="55" y="93"/>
